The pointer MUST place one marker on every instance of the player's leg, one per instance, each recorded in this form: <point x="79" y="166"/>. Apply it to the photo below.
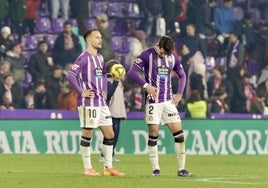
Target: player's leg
<point x="87" y="126"/>
<point x="172" y="119"/>
<point x="152" y="118"/>
<point x="108" y="141"/>
<point x="116" y="129"/>
<point x="179" y="146"/>
<point x="153" y="148"/>
<point x="85" y="152"/>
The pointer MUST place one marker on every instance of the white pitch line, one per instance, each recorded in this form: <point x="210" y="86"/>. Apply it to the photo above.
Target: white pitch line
<point x="228" y="180"/>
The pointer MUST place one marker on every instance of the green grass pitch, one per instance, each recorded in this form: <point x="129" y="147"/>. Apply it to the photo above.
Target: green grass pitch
<point x="66" y="171"/>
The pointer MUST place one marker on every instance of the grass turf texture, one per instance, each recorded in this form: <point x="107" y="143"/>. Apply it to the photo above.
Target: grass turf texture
<point x="66" y="171"/>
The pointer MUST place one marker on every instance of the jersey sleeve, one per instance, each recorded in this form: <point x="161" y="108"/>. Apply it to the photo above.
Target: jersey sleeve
<point x="73" y="77"/>
<point x="136" y="67"/>
<point x="182" y="76"/>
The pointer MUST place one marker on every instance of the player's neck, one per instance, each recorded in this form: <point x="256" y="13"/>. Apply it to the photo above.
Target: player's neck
<point x="92" y="51"/>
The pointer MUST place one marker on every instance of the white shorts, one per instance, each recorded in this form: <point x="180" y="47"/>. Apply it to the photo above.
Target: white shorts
<point x="93" y="117"/>
<point x="163" y="113"/>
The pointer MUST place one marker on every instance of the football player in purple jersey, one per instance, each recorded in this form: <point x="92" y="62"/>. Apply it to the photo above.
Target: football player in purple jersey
<point x="88" y="77"/>
<point x="156" y="63"/>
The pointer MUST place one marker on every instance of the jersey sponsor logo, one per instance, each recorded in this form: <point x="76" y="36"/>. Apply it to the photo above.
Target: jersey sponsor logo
<point x="98" y="72"/>
<point x="138" y="60"/>
<point x="162" y="71"/>
<point x="75" y="66"/>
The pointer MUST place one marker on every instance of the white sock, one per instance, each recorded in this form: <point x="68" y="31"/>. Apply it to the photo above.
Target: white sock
<point x="153" y="155"/>
<point x="86" y="158"/>
<point x="180" y="154"/>
<point x="108" y="156"/>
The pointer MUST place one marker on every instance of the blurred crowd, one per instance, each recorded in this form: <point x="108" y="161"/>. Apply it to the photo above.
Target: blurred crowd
<point x="226" y="67"/>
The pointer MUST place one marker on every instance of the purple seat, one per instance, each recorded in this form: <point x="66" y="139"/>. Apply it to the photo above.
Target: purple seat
<point x="50" y="39"/>
<point x="131" y="10"/>
<point x="115" y="9"/>
<point x="126" y="44"/>
<point x="43" y="25"/>
<point x="119" y="26"/>
<point x="97" y="8"/>
<point x="253" y="67"/>
<point x="30" y="42"/>
<point x="27" y="80"/>
<point x="90" y="23"/>
<point x="43" y="9"/>
<point x="222" y="61"/>
<point x="117" y="43"/>
<point x="57" y="26"/>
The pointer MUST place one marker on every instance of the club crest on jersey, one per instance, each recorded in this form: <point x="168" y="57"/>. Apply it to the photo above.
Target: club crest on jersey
<point x="162" y="71"/>
<point x="98" y="72"/>
<point x="75" y="66"/>
<point x="138" y="60"/>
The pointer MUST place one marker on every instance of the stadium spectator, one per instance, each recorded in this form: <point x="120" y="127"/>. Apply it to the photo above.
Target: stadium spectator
<point x="115" y="101"/>
<point x="136" y="46"/>
<point x="171" y="9"/>
<point x="41" y="64"/>
<point x="11" y="94"/>
<point x="43" y="98"/>
<point x="17" y="61"/>
<point x="128" y="98"/>
<point x="157" y="63"/>
<point x="258" y="105"/>
<point x="208" y="28"/>
<point x="218" y="100"/>
<point x="31" y="15"/>
<point x="235" y="57"/>
<point x="28" y="102"/>
<point x="67" y="46"/>
<point x="5" y="69"/>
<point x="3" y="12"/>
<point x="5" y="41"/>
<point x="93" y="110"/>
<point x="53" y="83"/>
<point x="151" y="9"/>
<point x="194" y="43"/>
<point x="224" y="20"/>
<point x="103" y="26"/>
<point x="246" y="33"/>
<point x="196" y="107"/>
<point x="243" y="93"/>
<point x="60" y="5"/>
<point x="262" y="81"/>
<point x="67" y="98"/>
<point x="138" y="98"/>
<point x="16" y="13"/>
<point x="218" y="80"/>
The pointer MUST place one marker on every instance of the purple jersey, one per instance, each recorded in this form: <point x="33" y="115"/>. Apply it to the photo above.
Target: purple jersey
<point x="88" y="72"/>
<point x="157" y="72"/>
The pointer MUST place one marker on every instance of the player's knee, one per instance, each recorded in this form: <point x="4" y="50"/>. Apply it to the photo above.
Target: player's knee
<point x="152" y="141"/>
<point x="85" y="141"/>
<point x="178" y="136"/>
<point x="108" y="142"/>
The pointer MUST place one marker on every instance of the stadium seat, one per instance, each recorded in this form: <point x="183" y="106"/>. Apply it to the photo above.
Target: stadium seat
<point x="57" y="25"/>
<point x="126" y="44"/>
<point x="132" y="10"/>
<point x="117" y="43"/>
<point x="253" y="67"/>
<point x="50" y="39"/>
<point x="98" y="8"/>
<point x="43" y="25"/>
<point x="30" y="42"/>
<point x="90" y="23"/>
<point x="115" y="9"/>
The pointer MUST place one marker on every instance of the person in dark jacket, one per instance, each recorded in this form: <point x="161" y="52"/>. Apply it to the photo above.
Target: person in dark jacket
<point x="11" y="94"/>
<point x="3" y="12"/>
<point x="67" y="46"/>
<point x="41" y="64"/>
<point x="43" y="98"/>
